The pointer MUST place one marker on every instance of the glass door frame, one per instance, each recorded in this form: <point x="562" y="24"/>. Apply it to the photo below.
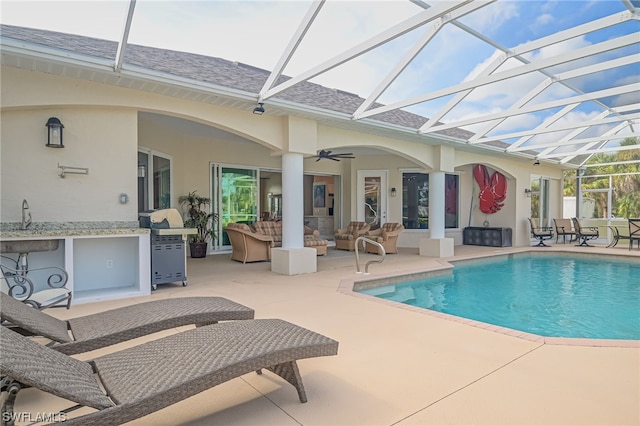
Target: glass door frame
<point x="215" y="170"/>
<point x="362" y="175"/>
<point x="541" y="191"/>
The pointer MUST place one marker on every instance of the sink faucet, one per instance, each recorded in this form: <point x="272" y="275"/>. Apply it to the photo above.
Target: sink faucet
<point x="26" y="216"/>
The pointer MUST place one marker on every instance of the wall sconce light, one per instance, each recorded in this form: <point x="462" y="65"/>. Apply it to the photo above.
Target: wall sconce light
<point x="536" y="163"/>
<point x="259" y="109"/>
<point x="527" y="192"/>
<point x="54" y="133"/>
<point x="394" y="192"/>
<point x="142" y="171"/>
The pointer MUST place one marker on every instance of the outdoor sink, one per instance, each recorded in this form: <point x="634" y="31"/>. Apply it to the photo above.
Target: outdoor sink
<point x="28" y="246"/>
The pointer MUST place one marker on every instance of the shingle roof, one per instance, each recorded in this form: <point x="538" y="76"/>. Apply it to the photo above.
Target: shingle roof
<point x="217" y="71"/>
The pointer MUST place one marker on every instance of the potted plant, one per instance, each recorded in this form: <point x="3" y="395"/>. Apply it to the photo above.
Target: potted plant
<point x="198" y="218"/>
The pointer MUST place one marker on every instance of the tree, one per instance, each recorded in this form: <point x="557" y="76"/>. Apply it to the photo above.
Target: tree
<point x="625" y="183"/>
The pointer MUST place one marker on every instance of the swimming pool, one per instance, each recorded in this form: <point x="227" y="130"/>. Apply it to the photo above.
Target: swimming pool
<point x="549" y="295"/>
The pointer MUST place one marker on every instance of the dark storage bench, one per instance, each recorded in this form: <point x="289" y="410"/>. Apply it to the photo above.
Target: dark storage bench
<point x="485" y="236"/>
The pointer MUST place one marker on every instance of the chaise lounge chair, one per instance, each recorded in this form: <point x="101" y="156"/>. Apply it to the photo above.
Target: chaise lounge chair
<point x="107" y="328"/>
<point x="541" y="233"/>
<point x="584" y="234"/>
<point x="154" y="375"/>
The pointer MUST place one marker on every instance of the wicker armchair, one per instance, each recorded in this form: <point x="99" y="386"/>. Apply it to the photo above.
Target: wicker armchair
<point x="387" y="235"/>
<point x="346" y="237"/>
<point x="248" y="246"/>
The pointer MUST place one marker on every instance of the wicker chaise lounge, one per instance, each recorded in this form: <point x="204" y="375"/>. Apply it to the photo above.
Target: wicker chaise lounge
<point x="148" y="377"/>
<point x="86" y="333"/>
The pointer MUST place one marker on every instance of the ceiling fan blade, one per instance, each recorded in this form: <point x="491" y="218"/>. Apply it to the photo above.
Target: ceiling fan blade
<point x="333" y="158"/>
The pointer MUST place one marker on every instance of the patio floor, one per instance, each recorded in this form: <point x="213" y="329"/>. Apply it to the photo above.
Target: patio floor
<point x="394" y="366"/>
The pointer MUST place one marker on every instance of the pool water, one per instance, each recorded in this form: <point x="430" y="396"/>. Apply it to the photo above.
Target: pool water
<point x="555" y="296"/>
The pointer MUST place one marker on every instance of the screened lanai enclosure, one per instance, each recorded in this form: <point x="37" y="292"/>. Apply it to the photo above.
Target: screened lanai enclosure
<point x="554" y="82"/>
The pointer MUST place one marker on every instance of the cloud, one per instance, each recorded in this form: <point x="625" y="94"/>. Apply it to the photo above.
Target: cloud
<point x="540" y="22"/>
<point x="492" y="17"/>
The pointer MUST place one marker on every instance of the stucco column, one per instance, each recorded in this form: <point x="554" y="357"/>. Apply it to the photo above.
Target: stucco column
<point x="292" y="195"/>
<point x="293" y="257"/>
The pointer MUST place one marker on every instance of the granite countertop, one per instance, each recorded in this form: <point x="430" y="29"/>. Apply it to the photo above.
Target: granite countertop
<point x="47" y="230"/>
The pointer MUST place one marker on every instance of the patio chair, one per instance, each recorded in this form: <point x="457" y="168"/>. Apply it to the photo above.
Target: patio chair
<point x="564" y="228"/>
<point x="634" y="232"/>
<point x="540" y="233"/>
<point x="248" y="246"/>
<point x="346" y="237"/>
<point x="387" y="235"/>
<point x="19" y="285"/>
<point x="89" y="332"/>
<point x="146" y="378"/>
<point x="584" y="234"/>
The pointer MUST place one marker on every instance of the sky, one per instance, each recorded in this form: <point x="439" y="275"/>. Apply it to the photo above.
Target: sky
<point x="257" y="32"/>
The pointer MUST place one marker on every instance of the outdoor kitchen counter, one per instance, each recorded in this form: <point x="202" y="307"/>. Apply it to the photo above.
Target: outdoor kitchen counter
<point x="42" y="234"/>
<point x="103" y="260"/>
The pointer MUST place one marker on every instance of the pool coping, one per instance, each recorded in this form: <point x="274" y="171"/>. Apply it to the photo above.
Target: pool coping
<point x="347" y="286"/>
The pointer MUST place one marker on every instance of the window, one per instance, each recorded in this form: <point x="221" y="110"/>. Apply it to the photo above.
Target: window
<point x="451" y="201"/>
<point x="415" y="201"/>
<point x="154" y="180"/>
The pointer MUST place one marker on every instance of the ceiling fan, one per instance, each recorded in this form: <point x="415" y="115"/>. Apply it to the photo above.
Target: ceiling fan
<point x="335" y="157"/>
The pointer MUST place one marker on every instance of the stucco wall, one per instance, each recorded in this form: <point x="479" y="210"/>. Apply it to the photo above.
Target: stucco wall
<point x="103" y="129"/>
<point x="193" y="154"/>
<point x="103" y="140"/>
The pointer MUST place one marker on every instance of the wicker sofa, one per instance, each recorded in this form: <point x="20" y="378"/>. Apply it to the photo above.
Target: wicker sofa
<point x="248" y="246"/>
<point x="346" y="237"/>
<point x="273" y="229"/>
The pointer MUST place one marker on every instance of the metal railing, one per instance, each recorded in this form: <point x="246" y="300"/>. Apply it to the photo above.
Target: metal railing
<point x="366" y="266"/>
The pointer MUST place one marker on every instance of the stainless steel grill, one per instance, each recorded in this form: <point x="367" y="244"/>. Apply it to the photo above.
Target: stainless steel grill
<point x="168" y="255"/>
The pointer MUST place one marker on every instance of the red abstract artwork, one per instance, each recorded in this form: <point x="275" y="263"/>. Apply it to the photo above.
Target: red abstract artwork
<point x="493" y="189"/>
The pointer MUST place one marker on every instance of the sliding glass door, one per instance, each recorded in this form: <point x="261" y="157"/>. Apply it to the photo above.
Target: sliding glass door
<point x="540" y="188"/>
<point x="234" y="198"/>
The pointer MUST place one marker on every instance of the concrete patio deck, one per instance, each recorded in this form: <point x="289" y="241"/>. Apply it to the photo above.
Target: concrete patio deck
<point x="394" y="366"/>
